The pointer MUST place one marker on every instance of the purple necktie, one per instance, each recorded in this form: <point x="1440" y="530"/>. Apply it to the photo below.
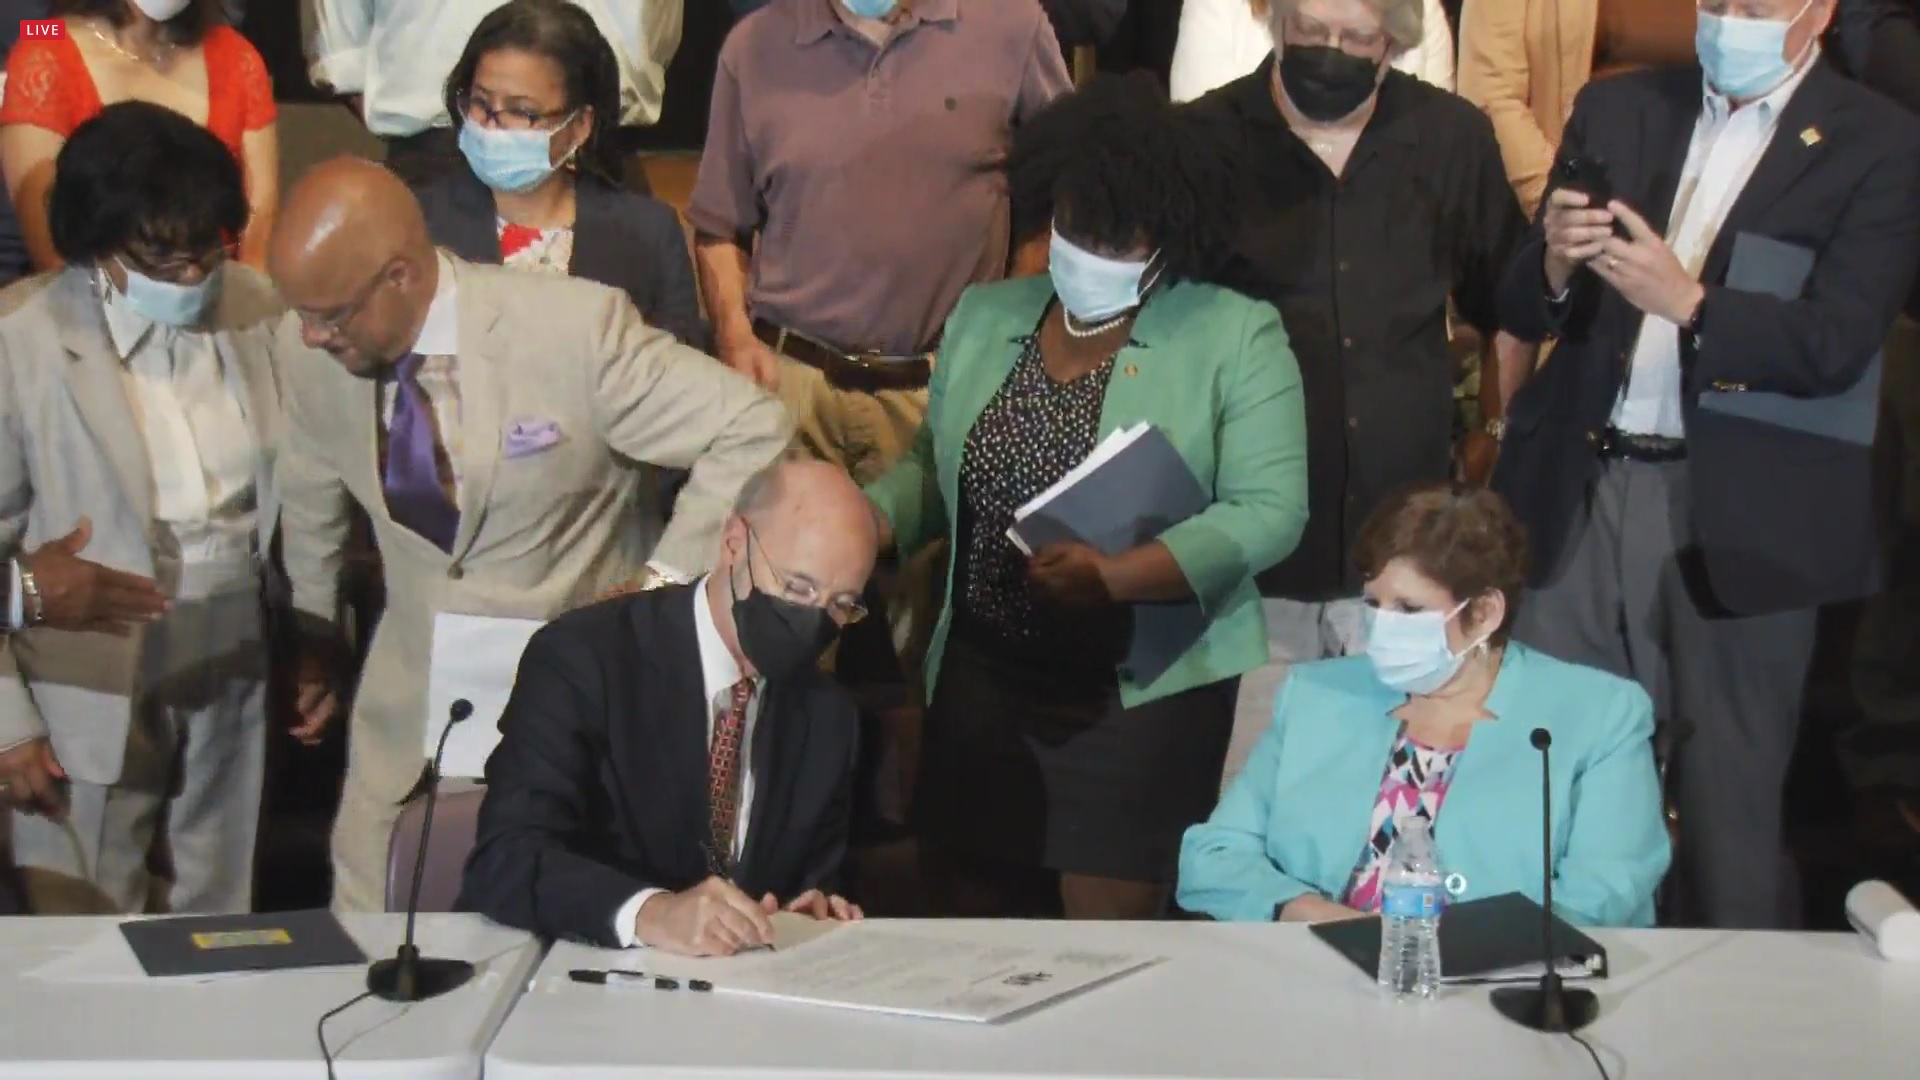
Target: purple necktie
<point x="415" y="496"/>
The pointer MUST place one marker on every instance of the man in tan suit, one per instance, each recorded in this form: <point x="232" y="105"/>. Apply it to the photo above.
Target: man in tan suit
<point x="493" y="424"/>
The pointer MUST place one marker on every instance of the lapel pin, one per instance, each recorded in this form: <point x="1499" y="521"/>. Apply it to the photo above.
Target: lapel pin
<point x="1811" y="136"/>
<point x="1132" y="370"/>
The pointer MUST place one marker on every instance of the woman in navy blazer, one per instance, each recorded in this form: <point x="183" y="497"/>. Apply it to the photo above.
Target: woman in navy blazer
<point x="1436" y="721"/>
<point x="536" y="100"/>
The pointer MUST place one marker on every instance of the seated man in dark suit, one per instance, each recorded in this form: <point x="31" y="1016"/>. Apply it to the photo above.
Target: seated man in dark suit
<point x="1692" y="461"/>
<point x="673" y="765"/>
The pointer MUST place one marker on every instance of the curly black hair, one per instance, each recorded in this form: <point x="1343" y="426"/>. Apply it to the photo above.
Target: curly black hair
<point x="565" y="34"/>
<point x="140" y="174"/>
<point x="1119" y="165"/>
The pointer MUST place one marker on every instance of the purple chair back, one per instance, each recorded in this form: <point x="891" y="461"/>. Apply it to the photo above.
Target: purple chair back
<point x="456" y="817"/>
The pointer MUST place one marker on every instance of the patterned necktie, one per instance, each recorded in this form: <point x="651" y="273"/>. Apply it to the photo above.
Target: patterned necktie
<point x="415" y="496"/>
<point x="723" y="774"/>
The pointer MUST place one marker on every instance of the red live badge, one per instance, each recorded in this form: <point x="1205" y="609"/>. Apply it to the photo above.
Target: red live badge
<point x="42" y="28"/>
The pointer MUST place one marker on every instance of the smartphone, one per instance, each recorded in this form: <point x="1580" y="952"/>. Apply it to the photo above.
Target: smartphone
<point x="1586" y="175"/>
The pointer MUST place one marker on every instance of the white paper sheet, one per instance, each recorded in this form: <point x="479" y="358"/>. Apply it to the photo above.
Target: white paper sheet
<point x="873" y="967"/>
<point x="476" y="658"/>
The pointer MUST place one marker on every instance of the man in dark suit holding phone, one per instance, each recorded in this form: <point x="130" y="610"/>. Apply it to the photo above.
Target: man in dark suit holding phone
<point x="673" y="766"/>
<point x="1693" y="461"/>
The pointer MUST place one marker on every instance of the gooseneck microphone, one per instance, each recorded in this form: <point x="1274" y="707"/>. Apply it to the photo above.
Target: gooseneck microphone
<point x="408" y="976"/>
<point x="1550" y="1006"/>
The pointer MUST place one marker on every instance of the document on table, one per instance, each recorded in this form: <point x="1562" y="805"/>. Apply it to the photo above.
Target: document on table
<point x="107" y="958"/>
<point x="942" y="975"/>
<point x="475" y="658"/>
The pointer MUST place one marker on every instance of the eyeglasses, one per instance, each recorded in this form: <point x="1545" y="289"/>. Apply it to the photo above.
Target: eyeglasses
<point x="173" y="267"/>
<point x="1303" y="31"/>
<point x="803" y="591"/>
<point x="483" y="113"/>
<point x="333" y="322"/>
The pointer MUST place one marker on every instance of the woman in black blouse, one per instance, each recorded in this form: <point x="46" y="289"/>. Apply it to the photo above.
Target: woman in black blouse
<point x="1054" y="779"/>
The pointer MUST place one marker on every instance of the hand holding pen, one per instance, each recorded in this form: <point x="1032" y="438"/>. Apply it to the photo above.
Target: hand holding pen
<point x="714" y="918"/>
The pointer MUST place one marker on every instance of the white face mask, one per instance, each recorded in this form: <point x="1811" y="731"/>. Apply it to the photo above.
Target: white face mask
<point x="1409" y="649"/>
<point x="1094" y="287"/>
<point x="161" y="10"/>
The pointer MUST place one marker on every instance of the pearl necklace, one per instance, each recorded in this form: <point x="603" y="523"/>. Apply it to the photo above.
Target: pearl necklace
<point x="1068" y="321"/>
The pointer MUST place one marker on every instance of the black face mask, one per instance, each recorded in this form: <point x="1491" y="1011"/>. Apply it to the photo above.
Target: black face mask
<point x="1325" y="83"/>
<point x="781" y="638"/>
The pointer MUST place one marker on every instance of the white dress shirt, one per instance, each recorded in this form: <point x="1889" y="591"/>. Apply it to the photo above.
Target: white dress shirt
<point x="718" y="672"/>
<point x="1727" y="144"/>
<point x="1222" y="40"/>
<point x="199" y="446"/>
<point x="397" y="54"/>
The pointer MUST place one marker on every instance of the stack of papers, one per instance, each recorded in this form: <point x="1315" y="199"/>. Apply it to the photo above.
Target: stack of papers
<point x="935" y="973"/>
<point x="1133" y="487"/>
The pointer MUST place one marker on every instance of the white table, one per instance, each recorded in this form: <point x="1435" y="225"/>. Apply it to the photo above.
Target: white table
<point x="1261" y="1001"/>
<point x="256" y="1026"/>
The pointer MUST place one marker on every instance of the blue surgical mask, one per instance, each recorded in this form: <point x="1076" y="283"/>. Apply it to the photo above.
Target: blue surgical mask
<point x="1409" y="649"/>
<point x="165" y="302"/>
<point x="1746" y="58"/>
<point x="1093" y="287"/>
<point x="511" y="161"/>
<point x="871" y="9"/>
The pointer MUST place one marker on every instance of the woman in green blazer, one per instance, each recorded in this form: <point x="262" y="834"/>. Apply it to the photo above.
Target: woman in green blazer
<point x="1051" y="782"/>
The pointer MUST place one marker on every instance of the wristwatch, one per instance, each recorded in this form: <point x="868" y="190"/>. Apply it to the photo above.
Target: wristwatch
<point x="1496" y="427"/>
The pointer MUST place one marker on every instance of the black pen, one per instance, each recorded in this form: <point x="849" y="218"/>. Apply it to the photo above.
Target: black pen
<point x="618" y="977"/>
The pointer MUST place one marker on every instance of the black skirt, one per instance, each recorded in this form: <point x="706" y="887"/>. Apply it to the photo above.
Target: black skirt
<point x="1022" y="765"/>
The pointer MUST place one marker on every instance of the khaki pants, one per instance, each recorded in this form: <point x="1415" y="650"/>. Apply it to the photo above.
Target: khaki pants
<point x="866" y="434"/>
<point x="362" y="832"/>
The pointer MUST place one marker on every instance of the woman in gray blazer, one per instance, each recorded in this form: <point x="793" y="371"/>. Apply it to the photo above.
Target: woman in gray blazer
<point x="139" y="406"/>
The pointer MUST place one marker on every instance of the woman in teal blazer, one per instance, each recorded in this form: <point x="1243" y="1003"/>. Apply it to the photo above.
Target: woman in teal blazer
<point x="1436" y="720"/>
<point x="1050" y="780"/>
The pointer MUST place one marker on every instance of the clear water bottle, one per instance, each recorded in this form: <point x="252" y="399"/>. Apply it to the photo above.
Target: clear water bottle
<point x="1412" y="896"/>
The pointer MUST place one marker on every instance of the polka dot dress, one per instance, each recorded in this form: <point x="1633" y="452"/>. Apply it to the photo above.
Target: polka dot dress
<point x="1030" y="435"/>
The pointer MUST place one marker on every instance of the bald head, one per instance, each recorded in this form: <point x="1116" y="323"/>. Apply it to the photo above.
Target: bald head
<point x="800" y="523"/>
<point x="351" y="253"/>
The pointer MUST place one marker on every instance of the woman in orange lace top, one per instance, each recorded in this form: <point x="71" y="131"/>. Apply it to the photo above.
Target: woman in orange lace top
<point x="177" y="53"/>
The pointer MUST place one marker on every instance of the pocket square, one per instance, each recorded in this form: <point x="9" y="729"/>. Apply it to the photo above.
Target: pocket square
<point x="527" y="437"/>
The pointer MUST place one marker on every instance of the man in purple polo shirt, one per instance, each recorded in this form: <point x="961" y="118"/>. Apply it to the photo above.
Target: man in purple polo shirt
<point x="849" y="193"/>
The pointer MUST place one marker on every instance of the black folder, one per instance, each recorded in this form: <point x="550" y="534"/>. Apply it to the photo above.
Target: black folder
<point x="212" y="944"/>
<point x="1127" y="500"/>
<point x="1496" y="939"/>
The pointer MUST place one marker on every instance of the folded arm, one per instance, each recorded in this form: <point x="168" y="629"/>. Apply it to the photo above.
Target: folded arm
<point x="1225" y="870"/>
<point x="1617" y="849"/>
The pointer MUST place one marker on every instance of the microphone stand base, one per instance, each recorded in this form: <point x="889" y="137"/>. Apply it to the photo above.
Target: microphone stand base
<point x="391" y="980"/>
<point x="1558" y="1011"/>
